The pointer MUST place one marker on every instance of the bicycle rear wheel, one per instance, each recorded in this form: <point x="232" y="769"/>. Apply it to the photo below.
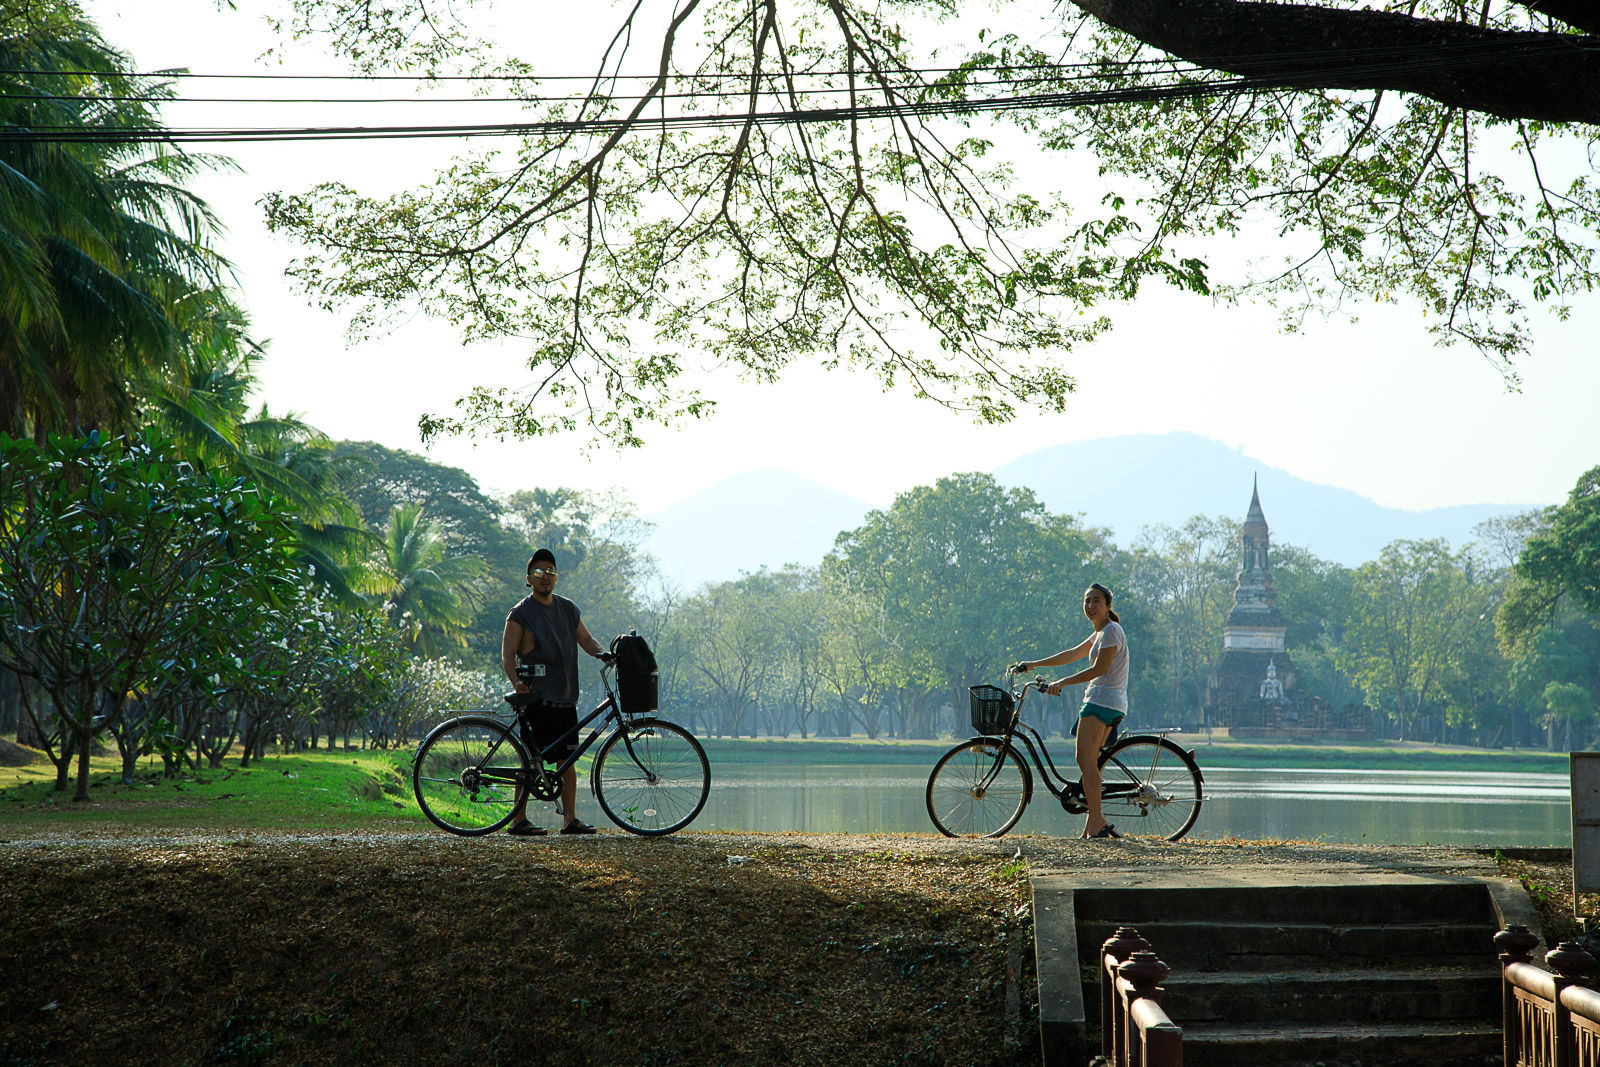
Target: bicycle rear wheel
<point x="651" y="777"/>
<point x="970" y="796"/>
<point x="465" y="775"/>
<point x="1150" y="787"/>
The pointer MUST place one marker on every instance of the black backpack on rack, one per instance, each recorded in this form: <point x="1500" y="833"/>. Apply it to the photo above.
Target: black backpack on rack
<point x="636" y="673"/>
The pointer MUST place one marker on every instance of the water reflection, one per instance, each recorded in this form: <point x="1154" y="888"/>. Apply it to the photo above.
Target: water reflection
<point x="1375" y="807"/>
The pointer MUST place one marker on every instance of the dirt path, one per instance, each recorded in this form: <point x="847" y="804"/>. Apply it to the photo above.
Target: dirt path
<point x="412" y="947"/>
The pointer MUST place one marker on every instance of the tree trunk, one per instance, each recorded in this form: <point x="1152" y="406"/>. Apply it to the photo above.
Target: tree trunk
<point x="63" y="764"/>
<point x="82" y="740"/>
<point x="10" y="702"/>
<point x="1549" y="76"/>
<point x="27" y="730"/>
<point x="249" y="739"/>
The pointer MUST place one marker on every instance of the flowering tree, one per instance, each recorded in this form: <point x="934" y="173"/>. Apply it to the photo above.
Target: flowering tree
<point x="114" y="559"/>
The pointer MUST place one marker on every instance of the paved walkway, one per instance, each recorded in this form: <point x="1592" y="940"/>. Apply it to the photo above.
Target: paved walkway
<point x="1241" y="860"/>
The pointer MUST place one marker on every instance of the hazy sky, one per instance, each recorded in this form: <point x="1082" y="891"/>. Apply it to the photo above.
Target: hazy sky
<point x="1371" y="406"/>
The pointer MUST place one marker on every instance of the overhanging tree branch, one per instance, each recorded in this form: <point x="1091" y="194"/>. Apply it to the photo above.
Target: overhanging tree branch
<point x="859" y="211"/>
<point x="1550" y="76"/>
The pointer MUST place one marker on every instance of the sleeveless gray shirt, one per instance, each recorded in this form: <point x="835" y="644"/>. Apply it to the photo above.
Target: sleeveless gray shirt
<point x="555" y="647"/>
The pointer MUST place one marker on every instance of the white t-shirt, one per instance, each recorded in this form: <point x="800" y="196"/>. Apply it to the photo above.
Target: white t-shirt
<point x="1110" y="690"/>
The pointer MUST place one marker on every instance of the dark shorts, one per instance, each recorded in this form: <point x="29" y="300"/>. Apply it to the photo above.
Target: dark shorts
<point x="544" y="725"/>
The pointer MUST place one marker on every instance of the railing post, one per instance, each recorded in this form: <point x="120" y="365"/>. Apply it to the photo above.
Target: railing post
<point x="1119" y="946"/>
<point x="1571" y="964"/>
<point x="1515" y="943"/>
<point x="1144" y="973"/>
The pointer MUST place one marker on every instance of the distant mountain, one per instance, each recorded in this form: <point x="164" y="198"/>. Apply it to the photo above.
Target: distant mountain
<point x="1127" y="483"/>
<point x="769" y="518"/>
<point x="759" y="518"/>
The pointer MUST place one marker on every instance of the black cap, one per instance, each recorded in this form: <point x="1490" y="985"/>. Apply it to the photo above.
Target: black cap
<point x="543" y="555"/>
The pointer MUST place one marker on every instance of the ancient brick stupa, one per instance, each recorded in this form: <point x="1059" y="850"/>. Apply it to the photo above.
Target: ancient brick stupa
<point x="1253" y="684"/>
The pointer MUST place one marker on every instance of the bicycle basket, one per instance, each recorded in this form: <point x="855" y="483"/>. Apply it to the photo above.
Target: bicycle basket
<point x="991" y="708"/>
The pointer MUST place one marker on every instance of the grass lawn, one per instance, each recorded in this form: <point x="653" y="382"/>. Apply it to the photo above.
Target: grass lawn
<point x="311" y="790"/>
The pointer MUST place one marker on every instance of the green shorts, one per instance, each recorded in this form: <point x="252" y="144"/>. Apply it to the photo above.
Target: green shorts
<point x="1109" y="716"/>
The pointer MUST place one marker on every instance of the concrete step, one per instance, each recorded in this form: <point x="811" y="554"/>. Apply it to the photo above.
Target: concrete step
<point x="1333" y="996"/>
<point x="1446" y="1043"/>
<point x="1273" y="945"/>
<point x="1293" y="970"/>
<point x="1330" y="905"/>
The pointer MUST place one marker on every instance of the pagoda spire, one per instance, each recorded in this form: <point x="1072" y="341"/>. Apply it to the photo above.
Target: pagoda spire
<point x="1254" y="602"/>
<point x="1255" y="518"/>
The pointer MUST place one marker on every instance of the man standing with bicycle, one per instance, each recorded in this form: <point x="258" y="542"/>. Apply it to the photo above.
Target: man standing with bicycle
<point x="539" y="652"/>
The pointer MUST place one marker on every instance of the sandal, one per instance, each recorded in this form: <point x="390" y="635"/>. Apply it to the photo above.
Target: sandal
<point x="1105" y="831"/>
<point x="577" y="826"/>
<point x="527" y="829"/>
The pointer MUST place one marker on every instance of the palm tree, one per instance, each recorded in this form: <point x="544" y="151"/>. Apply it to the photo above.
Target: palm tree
<point x="427" y="593"/>
<point x="100" y="243"/>
<point x="296" y="460"/>
<point x="202" y="403"/>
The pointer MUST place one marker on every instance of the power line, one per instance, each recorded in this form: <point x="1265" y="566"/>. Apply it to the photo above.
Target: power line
<point x="426" y="78"/>
<point x="774" y="84"/>
<point x="1511" y="47"/>
<point x="920" y="108"/>
<point x="554" y="127"/>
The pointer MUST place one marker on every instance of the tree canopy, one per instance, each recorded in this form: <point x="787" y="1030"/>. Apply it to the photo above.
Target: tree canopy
<point x="1559" y="562"/>
<point x="906" y="188"/>
<point x="107" y="264"/>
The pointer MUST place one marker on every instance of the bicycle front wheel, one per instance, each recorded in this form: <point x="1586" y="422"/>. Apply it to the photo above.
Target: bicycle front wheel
<point x="1150" y="787"/>
<point x="465" y="775"/>
<point x="978" y="789"/>
<point x="651" y="777"/>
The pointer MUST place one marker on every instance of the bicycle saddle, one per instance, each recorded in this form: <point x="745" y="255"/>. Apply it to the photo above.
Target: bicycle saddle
<point x="521" y="700"/>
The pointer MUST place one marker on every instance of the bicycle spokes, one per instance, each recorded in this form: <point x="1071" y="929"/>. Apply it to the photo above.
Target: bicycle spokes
<point x="977" y="789"/>
<point x="1152" y="781"/>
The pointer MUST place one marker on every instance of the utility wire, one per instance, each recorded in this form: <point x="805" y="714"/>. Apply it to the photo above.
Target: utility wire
<point x="1058" y="101"/>
<point x="1510" y="48"/>
<point x="920" y="108"/>
<point x="774" y="83"/>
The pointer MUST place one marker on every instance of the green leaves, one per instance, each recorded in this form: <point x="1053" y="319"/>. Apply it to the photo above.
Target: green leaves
<point x="1560" y="561"/>
<point x="628" y="251"/>
<point x="117" y="561"/>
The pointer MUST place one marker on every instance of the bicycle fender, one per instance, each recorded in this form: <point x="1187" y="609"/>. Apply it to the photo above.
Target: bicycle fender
<point x="1188" y="753"/>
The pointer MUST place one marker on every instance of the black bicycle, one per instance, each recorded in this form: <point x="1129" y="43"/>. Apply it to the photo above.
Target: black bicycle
<point x="650" y="776"/>
<point x="981" y="786"/>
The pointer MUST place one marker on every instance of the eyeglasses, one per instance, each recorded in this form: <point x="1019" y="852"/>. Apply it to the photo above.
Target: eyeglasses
<point x="540" y="572"/>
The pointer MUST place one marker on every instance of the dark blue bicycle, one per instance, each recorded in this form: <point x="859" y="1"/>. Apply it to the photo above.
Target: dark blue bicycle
<point x="650" y="776"/>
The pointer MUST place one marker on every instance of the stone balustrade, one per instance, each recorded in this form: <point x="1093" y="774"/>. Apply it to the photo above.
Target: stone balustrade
<point x="1134" y="1030"/>
<point x="1549" y="1016"/>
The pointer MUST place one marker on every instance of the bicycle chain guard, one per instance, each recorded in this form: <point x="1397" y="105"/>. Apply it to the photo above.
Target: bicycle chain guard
<point x="544" y="784"/>
<point x="1072" y="800"/>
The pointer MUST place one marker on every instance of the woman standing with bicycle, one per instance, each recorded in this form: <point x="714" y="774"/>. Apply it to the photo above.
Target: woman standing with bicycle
<point x="1105" y="701"/>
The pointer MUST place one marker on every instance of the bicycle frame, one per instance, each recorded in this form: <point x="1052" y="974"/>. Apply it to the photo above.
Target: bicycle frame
<point x="1069" y="788"/>
<point x="607" y="707"/>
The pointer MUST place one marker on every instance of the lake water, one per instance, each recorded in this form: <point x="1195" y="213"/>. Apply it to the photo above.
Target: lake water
<point x="1376" y="807"/>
